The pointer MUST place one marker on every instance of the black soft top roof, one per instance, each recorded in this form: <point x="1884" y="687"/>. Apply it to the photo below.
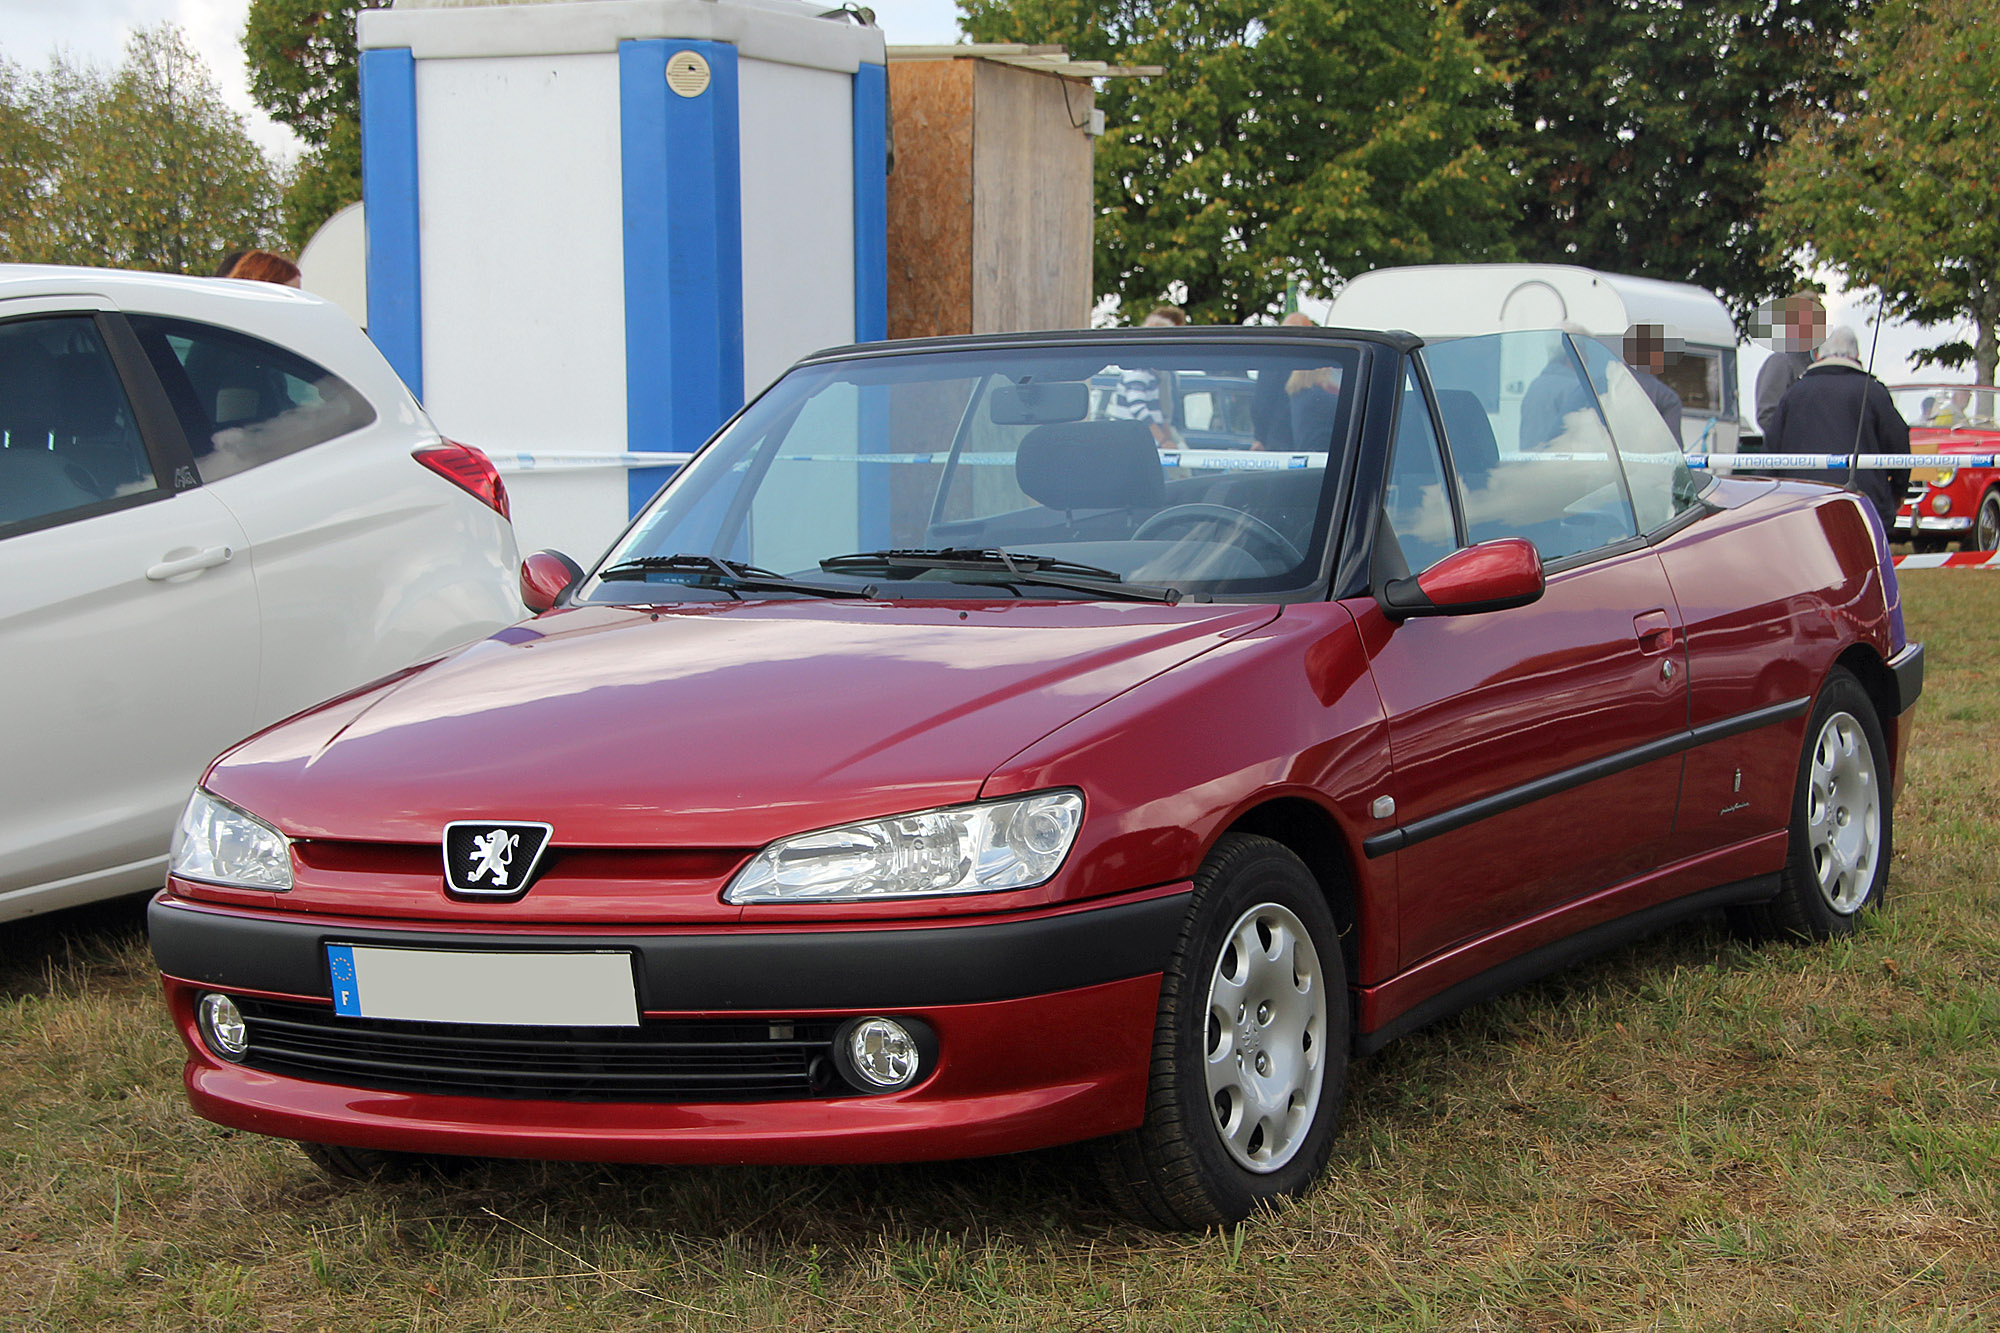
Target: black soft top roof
<point x="1395" y="339"/>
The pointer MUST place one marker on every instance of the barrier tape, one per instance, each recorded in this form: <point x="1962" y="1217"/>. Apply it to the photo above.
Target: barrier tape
<point x="1833" y="462"/>
<point x="1955" y="560"/>
<point x="1200" y="460"/>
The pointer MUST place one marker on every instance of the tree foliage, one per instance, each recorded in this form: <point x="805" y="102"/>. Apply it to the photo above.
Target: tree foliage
<point x="144" y="167"/>
<point x="1288" y="140"/>
<point x="1895" y="186"/>
<point x="304" y="72"/>
<point x="1641" y="128"/>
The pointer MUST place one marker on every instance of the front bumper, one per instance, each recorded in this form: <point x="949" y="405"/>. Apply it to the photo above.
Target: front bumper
<point x="1043" y="1026"/>
<point x="1956" y="523"/>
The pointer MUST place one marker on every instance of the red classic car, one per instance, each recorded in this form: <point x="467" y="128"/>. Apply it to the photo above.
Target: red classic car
<point x="1959" y="504"/>
<point x="940" y="767"/>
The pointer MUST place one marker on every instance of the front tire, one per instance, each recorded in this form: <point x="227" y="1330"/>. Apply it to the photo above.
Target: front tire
<point x="1837" y="863"/>
<point x="1250" y="1048"/>
<point x="1985" y="533"/>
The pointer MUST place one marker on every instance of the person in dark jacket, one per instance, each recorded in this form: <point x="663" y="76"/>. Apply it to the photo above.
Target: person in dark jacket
<point x="1648" y="351"/>
<point x="1838" y="408"/>
<point x="1794" y="327"/>
<point x="1271" y="408"/>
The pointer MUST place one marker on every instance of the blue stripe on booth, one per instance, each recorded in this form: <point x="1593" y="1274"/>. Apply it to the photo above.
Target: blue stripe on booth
<point x="871" y="286"/>
<point x="389" y="187"/>
<point x="683" y="217"/>
<point x="871" y="203"/>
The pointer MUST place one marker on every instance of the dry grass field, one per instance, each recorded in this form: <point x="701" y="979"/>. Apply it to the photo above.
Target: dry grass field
<point x="1687" y="1134"/>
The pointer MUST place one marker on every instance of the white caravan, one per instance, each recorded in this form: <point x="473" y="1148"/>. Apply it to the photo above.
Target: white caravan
<point x="1458" y="300"/>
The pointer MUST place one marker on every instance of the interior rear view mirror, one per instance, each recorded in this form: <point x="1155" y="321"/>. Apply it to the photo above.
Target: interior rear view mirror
<point x="1038" y="404"/>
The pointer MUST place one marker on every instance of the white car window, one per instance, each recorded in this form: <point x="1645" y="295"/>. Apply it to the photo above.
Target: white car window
<point x="243" y="401"/>
<point x="68" y="441"/>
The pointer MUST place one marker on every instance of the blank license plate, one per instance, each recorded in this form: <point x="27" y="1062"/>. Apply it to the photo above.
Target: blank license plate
<point x="591" y="989"/>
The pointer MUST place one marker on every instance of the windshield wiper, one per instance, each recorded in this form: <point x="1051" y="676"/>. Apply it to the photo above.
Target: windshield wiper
<point x="1019" y="566"/>
<point x="727" y="575"/>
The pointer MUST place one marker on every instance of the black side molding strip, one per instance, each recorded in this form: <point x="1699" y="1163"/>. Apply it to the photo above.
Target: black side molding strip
<point x="910" y="966"/>
<point x="1500" y="802"/>
<point x="1519" y="971"/>
<point x="1908" y="667"/>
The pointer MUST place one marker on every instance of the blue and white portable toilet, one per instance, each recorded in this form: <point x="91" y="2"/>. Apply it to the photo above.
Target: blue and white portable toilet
<point x="600" y="225"/>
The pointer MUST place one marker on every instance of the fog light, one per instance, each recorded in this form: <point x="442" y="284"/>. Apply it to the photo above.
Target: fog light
<point x="881" y="1053"/>
<point x="1940" y="503"/>
<point x="222" y="1027"/>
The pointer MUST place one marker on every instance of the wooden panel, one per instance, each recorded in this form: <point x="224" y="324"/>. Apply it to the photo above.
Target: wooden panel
<point x="1031" y="197"/>
<point x="930" y="198"/>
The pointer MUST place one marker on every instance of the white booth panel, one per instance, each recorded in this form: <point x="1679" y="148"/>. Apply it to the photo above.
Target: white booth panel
<point x="797" y="137"/>
<point x="522" y="228"/>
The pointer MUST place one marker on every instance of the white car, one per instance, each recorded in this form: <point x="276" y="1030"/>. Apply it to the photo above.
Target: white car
<point x="218" y="505"/>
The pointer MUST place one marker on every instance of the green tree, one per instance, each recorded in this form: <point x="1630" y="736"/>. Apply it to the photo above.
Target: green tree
<point x="304" y="72"/>
<point x="1640" y="128"/>
<point x="144" y="167"/>
<point x="1895" y="186"/>
<point x="1288" y="140"/>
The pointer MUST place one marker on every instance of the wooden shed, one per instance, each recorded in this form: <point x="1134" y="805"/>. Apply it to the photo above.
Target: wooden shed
<point x="990" y="196"/>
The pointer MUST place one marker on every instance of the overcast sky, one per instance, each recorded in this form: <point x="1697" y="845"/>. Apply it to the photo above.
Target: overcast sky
<point x="95" y="30"/>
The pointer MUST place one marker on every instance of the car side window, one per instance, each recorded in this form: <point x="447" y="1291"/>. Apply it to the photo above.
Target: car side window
<point x="1415" y="504"/>
<point x="1663" y="486"/>
<point x="1532" y="455"/>
<point x="243" y="401"/>
<point x="68" y="439"/>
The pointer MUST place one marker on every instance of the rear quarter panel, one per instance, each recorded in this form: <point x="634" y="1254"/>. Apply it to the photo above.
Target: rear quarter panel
<point x="1772" y="590"/>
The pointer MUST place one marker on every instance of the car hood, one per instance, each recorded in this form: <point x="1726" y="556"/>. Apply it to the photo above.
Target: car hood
<point x="710" y="725"/>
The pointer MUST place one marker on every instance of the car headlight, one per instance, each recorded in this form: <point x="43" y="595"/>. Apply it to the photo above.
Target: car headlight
<point x="1940" y="503"/>
<point x="984" y="848"/>
<point x="219" y="844"/>
<point x="1944" y="477"/>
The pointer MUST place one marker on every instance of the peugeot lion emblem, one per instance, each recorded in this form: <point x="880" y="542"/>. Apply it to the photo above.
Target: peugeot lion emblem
<point x="492" y="858"/>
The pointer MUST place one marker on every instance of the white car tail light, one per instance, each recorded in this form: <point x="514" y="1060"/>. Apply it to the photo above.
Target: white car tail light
<point x="465" y="466"/>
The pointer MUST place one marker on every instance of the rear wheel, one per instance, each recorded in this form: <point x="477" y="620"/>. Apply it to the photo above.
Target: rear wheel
<point x="1249" y="1048"/>
<point x="1837" y="863"/>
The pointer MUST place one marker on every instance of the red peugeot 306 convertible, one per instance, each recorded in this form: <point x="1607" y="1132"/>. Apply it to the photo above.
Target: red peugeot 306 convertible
<point x="952" y="761"/>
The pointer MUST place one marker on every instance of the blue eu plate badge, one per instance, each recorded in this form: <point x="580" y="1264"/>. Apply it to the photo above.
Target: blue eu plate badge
<point x="346" y="994"/>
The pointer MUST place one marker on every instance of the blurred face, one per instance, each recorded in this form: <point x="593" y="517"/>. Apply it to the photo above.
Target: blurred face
<point x="1805" y="322"/>
<point x="1646" y="348"/>
<point x="1157" y="322"/>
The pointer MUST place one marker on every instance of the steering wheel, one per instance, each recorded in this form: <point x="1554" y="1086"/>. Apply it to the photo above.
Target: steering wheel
<point x="1242" y="525"/>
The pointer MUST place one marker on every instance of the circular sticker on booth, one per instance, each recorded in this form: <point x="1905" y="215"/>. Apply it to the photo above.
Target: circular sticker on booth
<point x="687" y="73"/>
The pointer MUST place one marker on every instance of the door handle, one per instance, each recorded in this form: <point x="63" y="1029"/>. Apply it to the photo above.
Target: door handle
<point x="188" y="564"/>
<point x="1656" y="632"/>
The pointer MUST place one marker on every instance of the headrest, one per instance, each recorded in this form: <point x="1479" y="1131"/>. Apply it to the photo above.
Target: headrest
<point x="1470" y="431"/>
<point x="1091" y="465"/>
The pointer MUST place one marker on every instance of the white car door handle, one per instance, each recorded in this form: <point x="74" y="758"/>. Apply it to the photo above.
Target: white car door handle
<point x="188" y="564"/>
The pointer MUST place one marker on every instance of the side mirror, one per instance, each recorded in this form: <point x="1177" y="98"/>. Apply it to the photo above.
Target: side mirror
<point x="1491" y="576"/>
<point x="545" y="577"/>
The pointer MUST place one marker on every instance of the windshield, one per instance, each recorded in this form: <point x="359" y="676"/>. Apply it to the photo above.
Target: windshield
<point x="1125" y="468"/>
<point x="1947" y="406"/>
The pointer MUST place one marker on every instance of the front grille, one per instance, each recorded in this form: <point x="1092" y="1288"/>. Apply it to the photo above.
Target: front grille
<point x="655" y="1062"/>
